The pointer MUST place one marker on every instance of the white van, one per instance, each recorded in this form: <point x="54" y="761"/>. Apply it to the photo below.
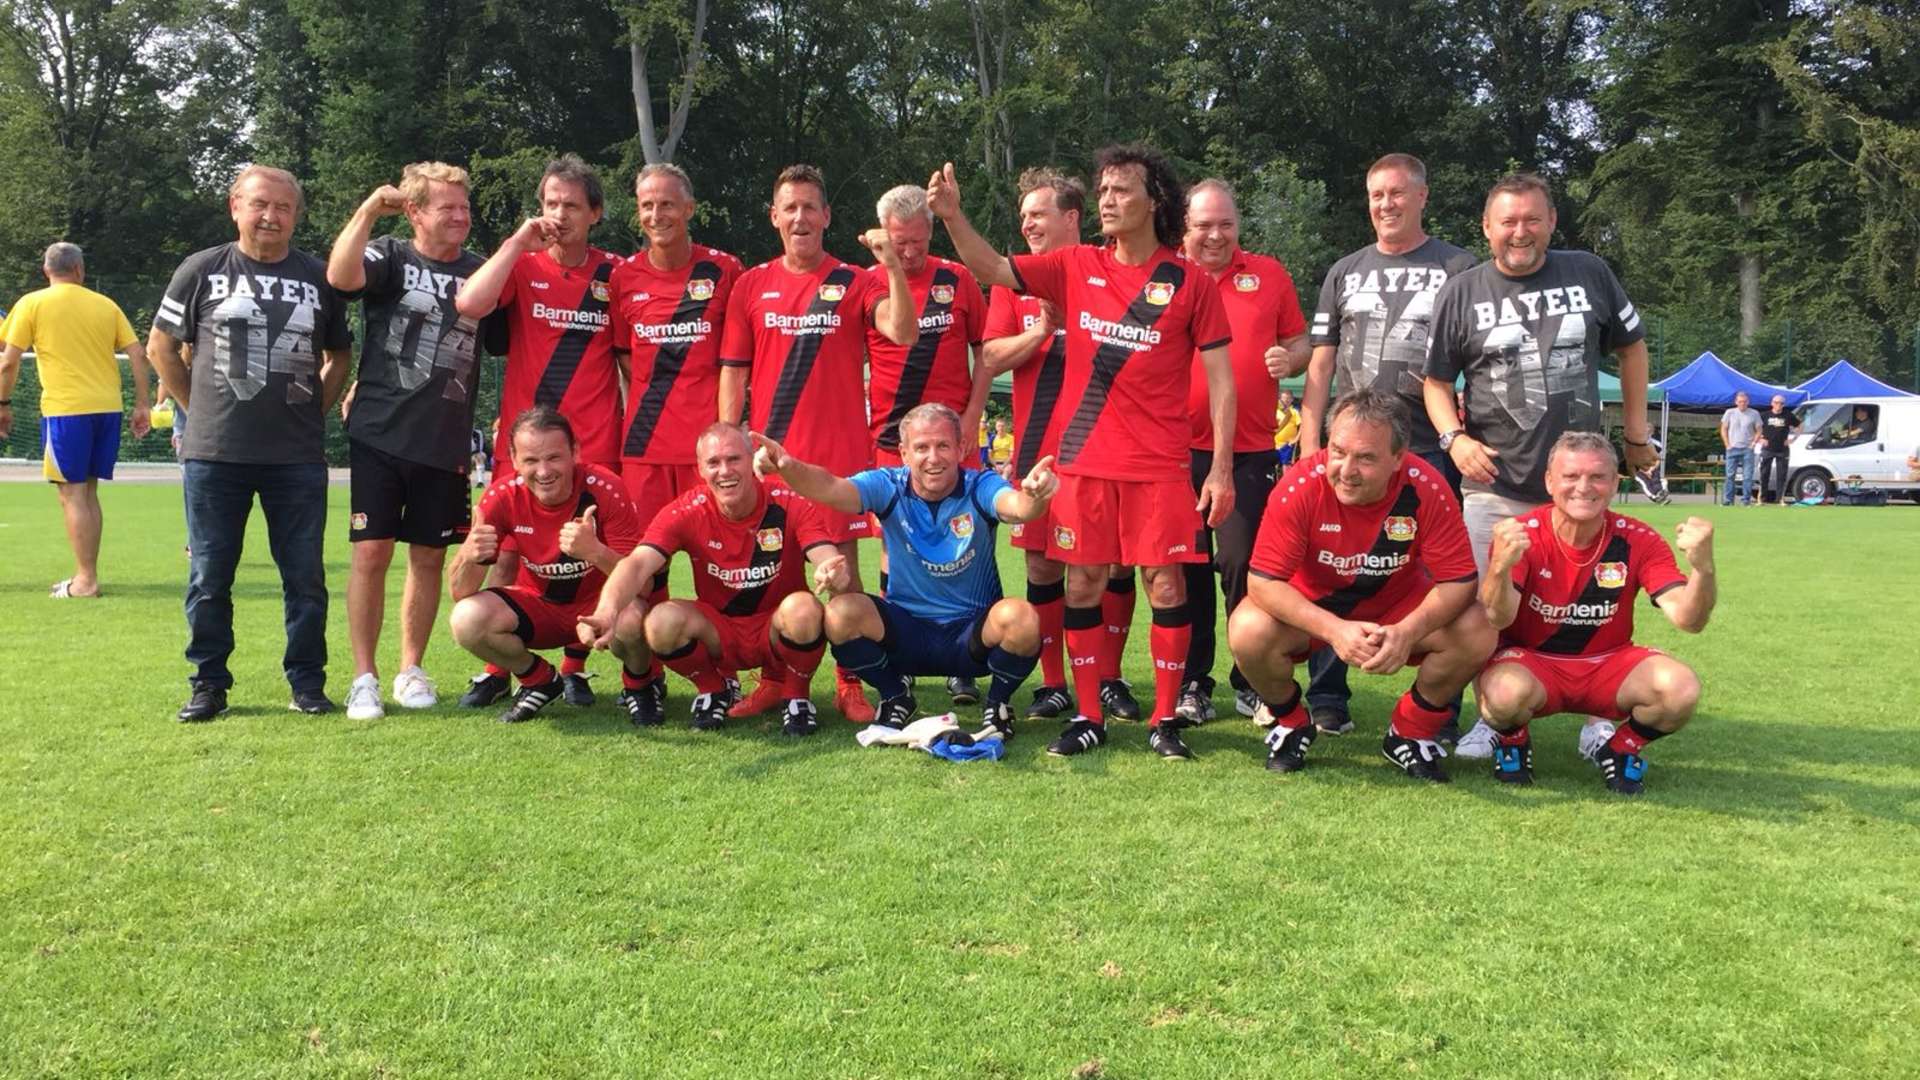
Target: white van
<point x="1840" y="439"/>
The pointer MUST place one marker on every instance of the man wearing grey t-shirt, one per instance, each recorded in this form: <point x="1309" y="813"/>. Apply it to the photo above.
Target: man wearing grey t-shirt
<point x="270" y="356"/>
<point x="1739" y="426"/>
<point x="1527" y="328"/>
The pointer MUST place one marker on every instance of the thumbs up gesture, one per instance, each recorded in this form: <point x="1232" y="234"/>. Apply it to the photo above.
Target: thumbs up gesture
<point x="483" y="540"/>
<point x="580" y="537"/>
<point x="1041" y="483"/>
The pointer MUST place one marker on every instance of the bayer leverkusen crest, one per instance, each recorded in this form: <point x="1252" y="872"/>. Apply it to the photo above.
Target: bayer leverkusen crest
<point x="600" y="292"/>
<point x="941" y="294"/>
<point x="962" y="526"/>
<point x="1246" y="282"/>
<point x="1610" y="575"/>
<point x="700" y="289"/>
<point x="1063" y="538"/>
<point x="1400" y="528"/>
<point x="769" y="539"/>
<point x="1159" y="293"/>
<point x="832" y="293"/>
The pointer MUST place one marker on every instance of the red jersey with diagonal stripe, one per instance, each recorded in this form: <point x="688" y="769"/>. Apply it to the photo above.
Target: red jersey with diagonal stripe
<point x="531" y="529"/>
<point x="803" y="340"/>
<point x="1131" y="336"/>
<point x="560" y="351"/>
<point x="1361" y="561"/>
<point x="672" y="321"/>
<point x="1037" y="382"/>
<point x="951" y="315"/>
<point x="1579" y="601"/>
<point x="743" y="567"/>
<point x="1262" y="308"/>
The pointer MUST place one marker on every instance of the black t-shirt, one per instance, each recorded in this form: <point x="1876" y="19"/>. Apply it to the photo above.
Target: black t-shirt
<point x="1774" y="429"/>
<point x="1376" y="310"/>
<point x="419" y="377"/>
<point x="257" y="330"/>
<point x="1531" y="349"/>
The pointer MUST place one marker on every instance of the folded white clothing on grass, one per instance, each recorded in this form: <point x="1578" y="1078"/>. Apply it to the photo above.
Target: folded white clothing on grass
<point x="914" y="736"/>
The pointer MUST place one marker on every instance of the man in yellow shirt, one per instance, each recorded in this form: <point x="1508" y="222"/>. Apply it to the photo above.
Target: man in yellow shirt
<point x="1002" y="446"/>
<point x="1286" y="438"/>
<point x="73" y="332"/>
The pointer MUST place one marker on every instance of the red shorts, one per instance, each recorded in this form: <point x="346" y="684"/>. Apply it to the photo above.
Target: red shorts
<point x="652" y="487"/>
<point x="1033" y="535"/>
<point x="1383" y="616"/>
<point x="543" y="623"/>
<point x="1588" y="685"/>
<point x="746" y="641"/>
<point x="1128" y="522"/>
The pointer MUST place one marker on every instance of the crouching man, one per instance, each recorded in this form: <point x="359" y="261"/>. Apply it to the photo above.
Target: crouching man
<point x="943" y="613"/>
<point x="746" y="538"/>
<point x="1560" y="587"/>
<point x="1362" y="548"/>
<point x="563" y="525"/>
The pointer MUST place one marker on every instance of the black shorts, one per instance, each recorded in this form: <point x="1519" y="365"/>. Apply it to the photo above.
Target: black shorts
<point x="918" y="646"/>
<point x="396" y="499"/>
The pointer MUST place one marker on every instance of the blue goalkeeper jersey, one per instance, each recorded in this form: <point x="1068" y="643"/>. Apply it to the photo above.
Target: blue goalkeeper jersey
<point x="940" y="555"/>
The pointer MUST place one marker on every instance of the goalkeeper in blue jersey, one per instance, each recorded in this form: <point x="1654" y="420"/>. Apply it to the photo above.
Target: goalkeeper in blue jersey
<point x="943" y="613"/>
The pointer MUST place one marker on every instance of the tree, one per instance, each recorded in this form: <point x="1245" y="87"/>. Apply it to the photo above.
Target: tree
<point x="648" y="23"/>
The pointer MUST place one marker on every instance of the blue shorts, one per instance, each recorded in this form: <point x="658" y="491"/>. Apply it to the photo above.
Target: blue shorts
<point x="79" y="448"/>
<point x="918" y="646"/>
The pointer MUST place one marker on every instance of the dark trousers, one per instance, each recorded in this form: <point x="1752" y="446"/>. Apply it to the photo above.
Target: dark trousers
<point x="1773" y="474"/>
<point x="1231" y="549"/>
<point x="293" y="499"/>
<point x="1326" y="672"/>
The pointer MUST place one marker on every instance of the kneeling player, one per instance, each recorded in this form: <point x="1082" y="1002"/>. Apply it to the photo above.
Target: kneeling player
<point x="746" y="538"/>
<point x="943" y="613"/>
<point x="1560" y="587"/>
<point x="549" y="519"/>
<point x="1362" y="548"/>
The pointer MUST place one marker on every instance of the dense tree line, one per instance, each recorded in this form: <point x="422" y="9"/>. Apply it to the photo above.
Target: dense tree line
<point x="1752" y="169"/>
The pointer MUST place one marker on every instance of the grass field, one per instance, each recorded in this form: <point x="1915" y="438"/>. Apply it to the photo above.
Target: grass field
<point x="438" y="895"/>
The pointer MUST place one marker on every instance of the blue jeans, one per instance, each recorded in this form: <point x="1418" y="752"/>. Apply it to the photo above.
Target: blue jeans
<point x="219" y="500"/>
<point x="1739" y="460"/>
<point x="1326" y="672"/>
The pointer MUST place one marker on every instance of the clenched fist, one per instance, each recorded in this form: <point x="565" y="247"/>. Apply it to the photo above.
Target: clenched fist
<point x="1510" y="543"/>
<point x="876" y="241"/>
<point x="385" y="200"/>
<point x="1694" y="537"/>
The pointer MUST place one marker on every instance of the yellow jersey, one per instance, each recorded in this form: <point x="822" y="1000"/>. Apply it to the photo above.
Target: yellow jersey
<point x="1289" y="430"/>
<point x="73" y="332"/>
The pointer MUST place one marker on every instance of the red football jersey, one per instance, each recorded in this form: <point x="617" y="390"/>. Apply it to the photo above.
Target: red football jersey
<point x="803" y="339"/>
<point x="1131" y="335"/>
<point x="560" y="351"/>
<point x="1360" y="561"/>
<point x="743" y="567"/>
<point x="531" y="530"/>
<point x="1262" y="307"/>
<point x="671" y="320"/>
<point x="936" y="367"/>
<point x="1037" y="417"/>
<point x="1580" y="602"/>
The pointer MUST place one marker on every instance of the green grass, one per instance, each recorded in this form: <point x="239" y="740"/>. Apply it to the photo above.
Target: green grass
<point x="438" y="895"/>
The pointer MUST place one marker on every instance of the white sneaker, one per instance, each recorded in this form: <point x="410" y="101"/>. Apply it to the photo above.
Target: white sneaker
<point x="1594" y="736"/>
<point x="1246" y="702"/>
<point x="414" y="690"/>
<point x="1478" y="743"/>
<point x="363" y="698"/>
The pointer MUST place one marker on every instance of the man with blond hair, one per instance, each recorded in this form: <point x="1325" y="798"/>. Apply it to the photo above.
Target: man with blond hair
<point x="409" y="415"/>
<point x="73" y="332"/>
<point x="271" y="350"/>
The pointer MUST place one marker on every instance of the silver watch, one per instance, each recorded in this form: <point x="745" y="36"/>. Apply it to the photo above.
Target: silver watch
<point x="1446" y="441"/>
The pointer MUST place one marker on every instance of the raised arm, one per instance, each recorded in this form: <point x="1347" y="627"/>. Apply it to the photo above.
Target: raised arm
<point x="810" y="481"/>
<point x="346" y="263"/>
<point x="480" y="295"/>
<point x="1030" y="500"/>
<point x="1498" y="597"/>
<point x="893" y="316"/>
<point x="1690" y="606"/>
<point x="988" y="265"/>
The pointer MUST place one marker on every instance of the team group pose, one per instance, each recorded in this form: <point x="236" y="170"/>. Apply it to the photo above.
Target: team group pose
<point x="763" y="421"/>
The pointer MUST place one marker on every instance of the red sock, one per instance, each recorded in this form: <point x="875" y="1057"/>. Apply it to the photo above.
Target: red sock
<point x="694" y="664"/>
<point x="1417" y="719"/>
<point x="1086" y="639"/>
<point x="497" y="671"/>
<point x="629" y="680"/>
<point x="1629" y="737"/>
<point x="1050" y="602"/>
<point x="1517" y="737"/>
<point x="1167" y="642"/>
<point x="573" y="659"/>
<point x="1116" y="610"/>
<point x="798" y="661"/>
<point x="540" y="672"/>
<point x="1290" y="716"/>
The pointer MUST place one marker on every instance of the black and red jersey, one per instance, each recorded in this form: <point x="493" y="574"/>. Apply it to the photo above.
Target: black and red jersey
<point x="1360" y="561"/>
<point x="1131" y="336"/>
<point x="560" y="351"/>
<point x="803" y="339"/>
<point x="743" y="567"/>
<point x="951" y="315"/>
<point x="1579" y="601"/>
<point x="671" y="321"/>
<point x="1037" y="382"/>
<point x="531" y="529"/>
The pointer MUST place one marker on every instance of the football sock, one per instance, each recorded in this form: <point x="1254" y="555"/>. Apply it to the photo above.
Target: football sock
<point x="1629" y="737"/>
<point x="1009" y="670"/>
<point x="1517" y="737"/>
<point x="1167" y="642"/>
<point x="539" y="671"/>
<point x="693" y="663"/>
<point x="1288" y="714"/>
<point x="1086" y="638"/>
<point x="634" y="680"/>
<point x="1050" y="602"/>
<point x="868" y="661"/>
<point x="497" y="671"/>
<point x="573" y="659"/>
<point x="794" y="663"/>
<point x="1116" y="610"/>
<point x="1414" y="717"/>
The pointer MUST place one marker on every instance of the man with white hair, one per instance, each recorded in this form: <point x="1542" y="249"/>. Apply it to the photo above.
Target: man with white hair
<point x="271" y="351"/>
<point x="409" y="415"/>
<point x="73" y="332"/>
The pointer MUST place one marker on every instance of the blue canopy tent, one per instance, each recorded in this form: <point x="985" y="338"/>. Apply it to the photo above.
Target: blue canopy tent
<point x="1710" y="383"/>
<point x="1845" y="380"/>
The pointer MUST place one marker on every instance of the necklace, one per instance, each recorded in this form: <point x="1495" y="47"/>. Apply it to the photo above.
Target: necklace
<point x="1599" y="546"/>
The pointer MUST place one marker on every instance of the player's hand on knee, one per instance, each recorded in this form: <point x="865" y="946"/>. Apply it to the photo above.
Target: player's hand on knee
<point x="831" y="576"/>
<point x="1355" y="642"/>
<point x="1392" y="645"/>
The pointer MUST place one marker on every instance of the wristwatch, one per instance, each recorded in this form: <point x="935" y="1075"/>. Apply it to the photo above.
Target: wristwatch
<point x="1446" y="440"/>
